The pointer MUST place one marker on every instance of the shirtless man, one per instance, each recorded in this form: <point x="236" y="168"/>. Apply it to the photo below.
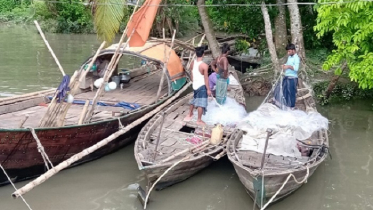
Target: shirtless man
<point x="201" y="89"/>
<point x="220" y="67"/>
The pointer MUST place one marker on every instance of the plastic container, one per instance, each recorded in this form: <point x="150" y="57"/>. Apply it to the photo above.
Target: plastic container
<point x="216" y="134"/>
<point x="116" y="79"/>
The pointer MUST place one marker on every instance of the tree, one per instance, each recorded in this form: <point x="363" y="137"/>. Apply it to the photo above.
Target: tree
<point x="296" y="28"/>
<point x="352" y="27"/>
<point x="268" y="30"/>
<point x="107" y="17"/>
<point x="280" y="29"/>
<point x="208" y="28"/>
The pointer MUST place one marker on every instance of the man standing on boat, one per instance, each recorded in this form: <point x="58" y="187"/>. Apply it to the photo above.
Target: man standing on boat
<point x="201" y="89"/>
<point x="290" y="80"/>
<point x="220" y="67"/>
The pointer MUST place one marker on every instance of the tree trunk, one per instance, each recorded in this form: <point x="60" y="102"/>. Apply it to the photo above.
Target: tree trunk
<point x="333" y="82"/>
<point x="209" y="31"/>
<point x="280" y="30"/>
<point x="269" y="37"/>
<point x="296" y="28"/>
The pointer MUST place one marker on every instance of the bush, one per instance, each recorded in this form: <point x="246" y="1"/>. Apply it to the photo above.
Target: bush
<point x="7" y="5"/>
<point x="343" y="91"/>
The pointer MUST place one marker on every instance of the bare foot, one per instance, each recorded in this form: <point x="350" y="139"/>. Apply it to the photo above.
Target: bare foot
<point x="188" y="118"/>
<point x="200" y="122"/>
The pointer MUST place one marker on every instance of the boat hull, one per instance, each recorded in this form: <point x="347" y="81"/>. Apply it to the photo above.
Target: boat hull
<point x="272" y="183"/>
<point x="179" y="173"/>
<point x="21" y="159"/>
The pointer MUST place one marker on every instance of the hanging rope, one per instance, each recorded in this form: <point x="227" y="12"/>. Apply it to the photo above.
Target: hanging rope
<point x="120" y="124"/>
<point x="283" y="185"/>
<point x="14" y="186"/>
<point x="41" y="149"/>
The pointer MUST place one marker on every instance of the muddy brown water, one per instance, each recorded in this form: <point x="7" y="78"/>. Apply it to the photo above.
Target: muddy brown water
<point x="344" y="182"/>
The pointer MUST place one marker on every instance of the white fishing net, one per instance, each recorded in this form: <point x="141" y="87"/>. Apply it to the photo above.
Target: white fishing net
<point x="228" y="114"/>
<point x="287" y="126"/>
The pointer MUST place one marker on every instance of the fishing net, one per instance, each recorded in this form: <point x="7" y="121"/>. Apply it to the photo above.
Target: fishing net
<point x="288" y="125"/>
<point x="228" y="114"/>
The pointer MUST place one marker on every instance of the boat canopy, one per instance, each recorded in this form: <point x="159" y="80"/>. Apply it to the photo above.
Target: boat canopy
<point x="156" y="51"/>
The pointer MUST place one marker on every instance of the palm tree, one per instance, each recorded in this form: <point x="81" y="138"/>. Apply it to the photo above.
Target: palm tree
<point x="108" y="16"/>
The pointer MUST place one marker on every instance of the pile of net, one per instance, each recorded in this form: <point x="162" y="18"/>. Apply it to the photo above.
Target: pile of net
<point x="228" y="114"/>
<point x="287" y="127"/>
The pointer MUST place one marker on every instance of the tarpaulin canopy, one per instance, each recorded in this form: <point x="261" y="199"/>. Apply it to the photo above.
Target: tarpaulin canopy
<point x="156" y="50"/>
<point x="142" y="22"/>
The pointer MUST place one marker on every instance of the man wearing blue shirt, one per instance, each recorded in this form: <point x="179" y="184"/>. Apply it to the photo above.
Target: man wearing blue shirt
<point x="290" y="80"/>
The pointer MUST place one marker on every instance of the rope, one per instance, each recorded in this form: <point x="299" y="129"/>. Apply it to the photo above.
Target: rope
<point x="272" y="89"/>
<point x="175" y="164"/>
<point x="14" y="187"/>
<point x="120" y="124"/>
<point x="41" y="149"/>
<point x="283" y="185"/>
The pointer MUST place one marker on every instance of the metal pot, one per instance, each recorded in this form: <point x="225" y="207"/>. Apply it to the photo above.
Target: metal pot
<point x="124" y="78"/>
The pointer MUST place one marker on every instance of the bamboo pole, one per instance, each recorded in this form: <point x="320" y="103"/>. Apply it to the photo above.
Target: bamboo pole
<point x="49" y="47"/>
<point x="269" y="133"/>
<point x="13" y="99"/>
<point x="167" y="57"/>
<point x="95" y="147"/>
<point x="84" y="112"/>
<point x="113" y="63"/>
<point x="49" y="120"/>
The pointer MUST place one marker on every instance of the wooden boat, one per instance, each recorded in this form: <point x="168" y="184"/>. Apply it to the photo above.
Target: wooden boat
<point x="173" y="150"/>
<point x="19" y="148"/>
<point x="274" y="180"/>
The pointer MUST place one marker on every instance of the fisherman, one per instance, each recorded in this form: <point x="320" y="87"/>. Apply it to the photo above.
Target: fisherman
<point x="220" y="67"/>
<point x="201" y="89"/>
<point x="290" y="80"/>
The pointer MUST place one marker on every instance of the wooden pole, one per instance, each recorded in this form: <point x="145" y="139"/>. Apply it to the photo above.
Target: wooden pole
<point x="114" y="62"/>
<point x="269" y="133"/>
<point x="95" y="147"/>
<point x="159" y="135"/>
<point x="48" y="119"/>
<point x="82" y="115"/>
<point x="167" y="57"/>
<point x="49" y="47"/>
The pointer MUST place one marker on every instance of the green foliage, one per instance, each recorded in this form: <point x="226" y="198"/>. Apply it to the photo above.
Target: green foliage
<point x="352" y="27"/>
<point x="246" y="20"/>
<point x="184" y="18"/>
<point x="7" y="5"/>
<point x="108" y="15"/>
<point x="72" y="17"/>
<point x="342" y="92"/>
<point x="15" y="10"/>
<point x="42" y="11"/>
<point x="242" y="45"/>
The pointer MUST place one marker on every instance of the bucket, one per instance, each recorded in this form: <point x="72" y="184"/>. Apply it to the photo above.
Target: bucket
<point x="116" y="79"/>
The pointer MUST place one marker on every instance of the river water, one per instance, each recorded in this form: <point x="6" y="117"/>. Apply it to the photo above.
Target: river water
<point x="343" y="182"/>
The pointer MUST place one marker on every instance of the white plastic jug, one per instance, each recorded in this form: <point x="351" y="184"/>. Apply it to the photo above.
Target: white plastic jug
<point x="216" y="135"/>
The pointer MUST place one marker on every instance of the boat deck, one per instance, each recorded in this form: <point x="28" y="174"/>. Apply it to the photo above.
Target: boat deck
<point x="176" y="134"/>
<point x="141" y="90"/>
